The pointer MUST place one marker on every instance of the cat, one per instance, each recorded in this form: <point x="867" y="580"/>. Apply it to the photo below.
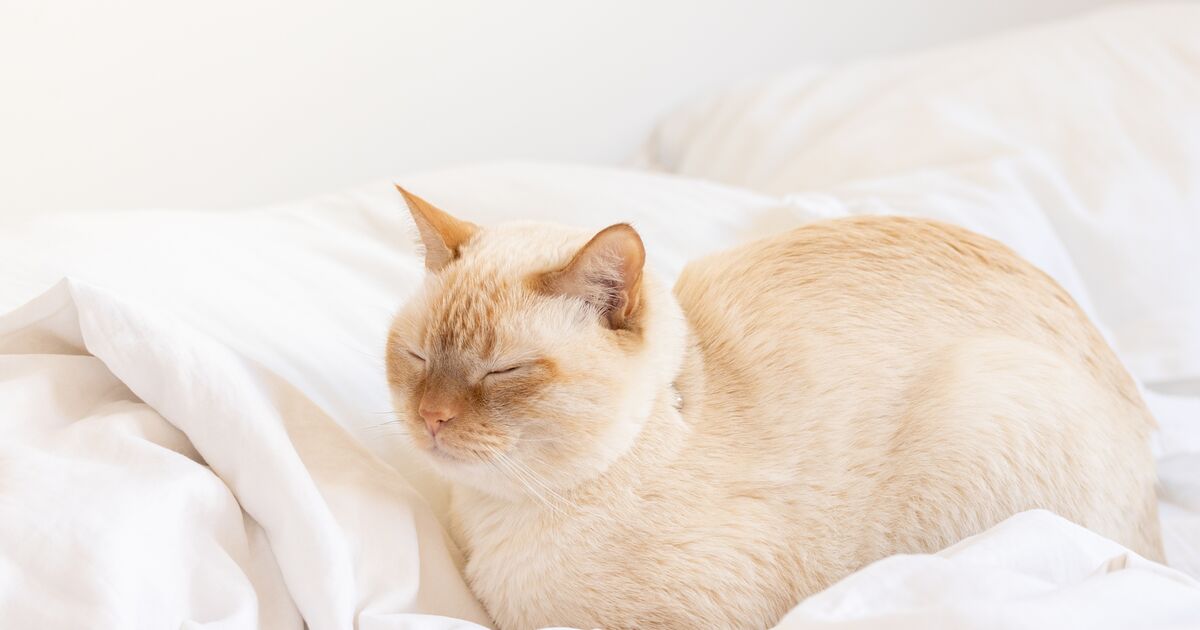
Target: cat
<point x="623" y="456"/>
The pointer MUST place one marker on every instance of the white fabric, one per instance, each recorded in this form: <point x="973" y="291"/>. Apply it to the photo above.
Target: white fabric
<point x="1036" y="570"/>
<point x="194" y="424"/>
<point x="249" y="508"/>
<point x="1090" y="128"/>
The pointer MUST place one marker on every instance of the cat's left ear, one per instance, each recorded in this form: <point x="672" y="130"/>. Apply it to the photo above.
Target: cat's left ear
<point x="441" y="234"/>
<point x="607" y="274"/>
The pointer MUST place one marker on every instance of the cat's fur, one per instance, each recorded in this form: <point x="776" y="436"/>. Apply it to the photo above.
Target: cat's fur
<point x="846" y="391"/>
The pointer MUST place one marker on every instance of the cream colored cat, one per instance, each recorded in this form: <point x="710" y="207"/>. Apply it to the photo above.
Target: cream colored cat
<point x="801" y="406"/>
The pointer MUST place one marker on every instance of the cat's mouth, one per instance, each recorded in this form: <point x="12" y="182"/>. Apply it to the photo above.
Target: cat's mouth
<point x="448" y="448"/>
<point x="468" y="455"/>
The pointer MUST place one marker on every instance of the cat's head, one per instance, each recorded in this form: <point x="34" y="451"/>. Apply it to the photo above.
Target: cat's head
<point x="532" y="354"/>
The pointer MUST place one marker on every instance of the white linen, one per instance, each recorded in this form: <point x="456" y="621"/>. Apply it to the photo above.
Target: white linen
<point x="194" y="423"/>
<point x="1093" y="125"/>
<point x="249" y="508"/>
<point x="1035" y="570"/>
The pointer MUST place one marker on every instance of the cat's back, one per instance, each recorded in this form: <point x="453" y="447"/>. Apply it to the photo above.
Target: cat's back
<point x="875" y="359"/>
<point x="866" y="290"/>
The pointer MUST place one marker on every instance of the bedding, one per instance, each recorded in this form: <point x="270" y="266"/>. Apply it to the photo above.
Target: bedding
<point x="198" y="433"/>
<point x="197" y="424"/>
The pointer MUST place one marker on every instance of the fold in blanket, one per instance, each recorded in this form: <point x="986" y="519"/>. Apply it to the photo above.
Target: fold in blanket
<point x="248" y="508"/>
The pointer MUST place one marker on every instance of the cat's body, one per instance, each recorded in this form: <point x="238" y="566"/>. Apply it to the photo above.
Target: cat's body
<point x="849" y="390"/>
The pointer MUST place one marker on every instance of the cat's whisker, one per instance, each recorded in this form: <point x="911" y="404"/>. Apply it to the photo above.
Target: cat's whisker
<point x="541" y="440"/>
<point x="386" y="435"/>
<point x="380" y="425"/>
<point x="607" y="518"/>
<point x="366" y="353"/>
<point x="503" y="462"/>
<point x="528" y="475"/>
<point x="542" y="483"/>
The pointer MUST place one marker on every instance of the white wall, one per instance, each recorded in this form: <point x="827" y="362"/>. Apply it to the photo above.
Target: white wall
<point x="226" y="103"/>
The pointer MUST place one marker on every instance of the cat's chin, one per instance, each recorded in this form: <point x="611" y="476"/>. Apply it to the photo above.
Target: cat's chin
<point x="485" y="477"/>
<point x="442" y="455"/>
<point x="456" y="468"/>
<point x="473" y="475"/>
<point x="449" y="457"/>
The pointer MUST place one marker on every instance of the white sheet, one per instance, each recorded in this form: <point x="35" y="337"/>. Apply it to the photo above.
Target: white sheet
<point x="1035" y="570"/>
<point x="193" y="424"/>
<point x="249" y="508"/>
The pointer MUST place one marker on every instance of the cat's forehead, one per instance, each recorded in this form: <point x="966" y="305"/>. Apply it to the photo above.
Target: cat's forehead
<point x="526" y="246"/>
<point x="477" y="299"/>
<point x="463" y="312"/>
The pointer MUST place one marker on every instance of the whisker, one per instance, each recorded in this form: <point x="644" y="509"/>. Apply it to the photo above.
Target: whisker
<point x="529" y="481"/>
<point x="506" y="463"/>
<point x="393" y="434"/>
<point x="601" y="515"/>
<point x="365" y="353"/>
<point x="541" y="482"/>
<point x="381" y="424"/>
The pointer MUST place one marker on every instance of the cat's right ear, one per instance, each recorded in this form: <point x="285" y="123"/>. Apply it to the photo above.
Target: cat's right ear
<point x="441" y="234"/>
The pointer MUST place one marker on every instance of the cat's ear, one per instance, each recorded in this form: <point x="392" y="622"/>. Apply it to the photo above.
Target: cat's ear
<point x="441" y="234"/>
<point x="606" y="273"/>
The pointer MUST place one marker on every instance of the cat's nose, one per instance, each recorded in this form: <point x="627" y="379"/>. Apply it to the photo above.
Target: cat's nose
<point x="435" y="416"/>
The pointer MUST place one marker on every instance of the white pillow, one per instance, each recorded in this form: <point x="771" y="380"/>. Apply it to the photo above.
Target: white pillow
<point x="1094" y="123"/>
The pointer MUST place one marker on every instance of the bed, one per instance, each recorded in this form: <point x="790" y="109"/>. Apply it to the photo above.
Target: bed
<point x="198" y="432"/>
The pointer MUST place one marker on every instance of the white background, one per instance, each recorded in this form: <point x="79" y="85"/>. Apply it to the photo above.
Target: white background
<point x="227" y="103"/>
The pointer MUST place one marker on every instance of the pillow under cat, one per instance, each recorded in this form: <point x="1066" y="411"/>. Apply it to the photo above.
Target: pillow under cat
<point x="628" y="456"/>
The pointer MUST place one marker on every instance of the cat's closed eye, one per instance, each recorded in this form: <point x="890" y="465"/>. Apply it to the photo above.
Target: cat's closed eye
<point x="416" y="356"/>
<point x="506" y="370"/>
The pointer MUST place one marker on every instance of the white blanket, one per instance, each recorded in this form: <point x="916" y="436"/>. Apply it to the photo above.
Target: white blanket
<point x="249" y="508"/>
<point x="196" y="426"/>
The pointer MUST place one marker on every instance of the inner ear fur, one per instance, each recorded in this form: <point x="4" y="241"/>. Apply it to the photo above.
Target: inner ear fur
<point x="606" y="273"/>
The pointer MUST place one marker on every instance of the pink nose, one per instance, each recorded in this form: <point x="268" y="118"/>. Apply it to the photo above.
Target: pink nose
<point x="436" y="416"/>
